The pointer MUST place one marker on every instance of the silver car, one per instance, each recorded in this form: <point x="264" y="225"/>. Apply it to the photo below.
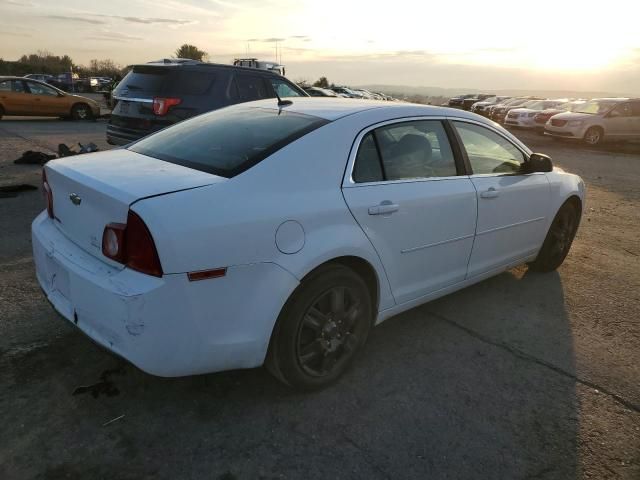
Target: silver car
<point x="598" y="120"/>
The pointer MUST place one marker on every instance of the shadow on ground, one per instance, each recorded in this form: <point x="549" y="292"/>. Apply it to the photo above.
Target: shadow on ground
<point x="437" y="393"/>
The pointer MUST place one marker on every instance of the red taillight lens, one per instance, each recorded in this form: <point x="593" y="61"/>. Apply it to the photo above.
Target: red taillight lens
<point x="132" y="245"/>
<point x="48" y="194"/>
<point x="162" y="105"/>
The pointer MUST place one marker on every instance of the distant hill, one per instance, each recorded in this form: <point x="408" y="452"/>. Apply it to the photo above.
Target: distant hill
<point x="408" y="91"/>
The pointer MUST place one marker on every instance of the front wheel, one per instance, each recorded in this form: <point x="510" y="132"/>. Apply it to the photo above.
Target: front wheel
<point x="559" y="238"/>
<point x="321" y="328"/>
<point x="593" y="136"/>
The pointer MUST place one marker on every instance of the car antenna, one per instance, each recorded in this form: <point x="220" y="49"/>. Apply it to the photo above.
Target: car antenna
<point x="282" y="103"/>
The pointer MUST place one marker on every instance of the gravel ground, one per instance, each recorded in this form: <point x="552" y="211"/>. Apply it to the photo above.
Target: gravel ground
<point x="523" y="376"/>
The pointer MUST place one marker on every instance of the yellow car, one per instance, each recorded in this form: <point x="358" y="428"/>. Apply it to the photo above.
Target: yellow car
<point x="23" y="96"/>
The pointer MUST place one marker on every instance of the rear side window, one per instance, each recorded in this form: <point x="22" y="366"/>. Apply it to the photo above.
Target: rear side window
<point x="5" y="86"/>
<point x="229" y="141"/>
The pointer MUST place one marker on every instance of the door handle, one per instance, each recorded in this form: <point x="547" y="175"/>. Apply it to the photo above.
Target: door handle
<point x="491" y="193"/>
<point x="385" y="208"/>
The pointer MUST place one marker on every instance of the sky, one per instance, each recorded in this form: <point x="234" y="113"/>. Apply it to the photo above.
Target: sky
<point x="493" y="44"/>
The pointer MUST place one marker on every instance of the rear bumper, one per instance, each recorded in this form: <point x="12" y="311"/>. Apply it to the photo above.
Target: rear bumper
<point x="165" y="326"/>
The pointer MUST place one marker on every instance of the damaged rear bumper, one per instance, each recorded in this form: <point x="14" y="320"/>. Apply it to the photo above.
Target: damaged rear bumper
<point x="165" y="326"/>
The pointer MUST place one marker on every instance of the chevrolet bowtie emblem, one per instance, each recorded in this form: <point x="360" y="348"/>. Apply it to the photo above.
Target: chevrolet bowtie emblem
<point x="75" y="198"/>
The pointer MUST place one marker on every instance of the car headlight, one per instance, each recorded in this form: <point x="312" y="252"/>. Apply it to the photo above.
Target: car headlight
<point x="575" y="123"/>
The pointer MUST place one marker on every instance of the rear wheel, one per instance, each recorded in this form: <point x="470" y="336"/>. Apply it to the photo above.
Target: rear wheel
<point x="321" y="328"/>
<point x="559" y="238"/>
<point x="593" y="136"/>
<point x="81" y="111"/>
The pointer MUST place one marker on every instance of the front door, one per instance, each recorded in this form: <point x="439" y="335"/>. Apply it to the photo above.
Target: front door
<point x="419" y="214"/>
<point x="512" y="206"/>
<point x="46" y="100"/>
<point x="618" y="123"/>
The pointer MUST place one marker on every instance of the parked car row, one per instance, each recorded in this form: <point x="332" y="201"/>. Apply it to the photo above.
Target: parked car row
<point x="347" y="92"/>
<point x="71" y="82"/>
<point x="591" y="121"/>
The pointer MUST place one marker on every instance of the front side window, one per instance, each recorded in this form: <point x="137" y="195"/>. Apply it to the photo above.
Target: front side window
<point x="283" y="88"/>
<point x="229" y="141"/>
<point x="251" y="87"/>
<point x="488" y="152"/>
<point x="39" y="89"/>
<point x="402" y="151"/>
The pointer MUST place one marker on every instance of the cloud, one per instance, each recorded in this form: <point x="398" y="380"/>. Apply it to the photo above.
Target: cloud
<point x="112" y="37"/>
<point x="267" y="40"/>
<point x="150" y="20"/>
<point x="15" y="34"/>
<point x="20" y="4"/>
<point x="67" y="18"/>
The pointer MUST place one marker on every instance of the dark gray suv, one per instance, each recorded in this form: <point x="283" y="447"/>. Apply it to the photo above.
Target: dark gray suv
<point x="158" y="94"/>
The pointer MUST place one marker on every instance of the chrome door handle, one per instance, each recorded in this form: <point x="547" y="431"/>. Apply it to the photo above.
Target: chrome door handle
<point x="385" y="208"/>
<point x="491" y="193"/>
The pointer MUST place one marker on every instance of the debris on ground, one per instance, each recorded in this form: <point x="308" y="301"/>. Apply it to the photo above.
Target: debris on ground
<point x="105" y="386"/>
<point x="113" y="420"/>
<point x="65" y="151"/>
<point x="10" y="191"/>
<point x="31" y="157"/>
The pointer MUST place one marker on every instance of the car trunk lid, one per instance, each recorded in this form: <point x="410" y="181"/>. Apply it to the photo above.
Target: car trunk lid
<point x="93" y="190"/>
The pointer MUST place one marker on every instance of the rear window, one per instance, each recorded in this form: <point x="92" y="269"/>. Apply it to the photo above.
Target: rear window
<point x="165" y="80"/>
<point x="229" y="141"/>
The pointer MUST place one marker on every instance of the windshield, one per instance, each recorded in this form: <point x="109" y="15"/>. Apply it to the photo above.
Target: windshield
<point x="595" y="106"/>
<point x="229" y="141"/>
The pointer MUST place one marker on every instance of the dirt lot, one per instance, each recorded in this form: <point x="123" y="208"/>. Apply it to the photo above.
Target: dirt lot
<point x="524" y="376"/>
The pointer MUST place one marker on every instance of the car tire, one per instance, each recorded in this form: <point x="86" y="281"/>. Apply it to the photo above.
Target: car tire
<point x="81" y="111"/>
<point x="559" y="238"/>
<point x="321" y="328"/>
<point x="593" y="136"/>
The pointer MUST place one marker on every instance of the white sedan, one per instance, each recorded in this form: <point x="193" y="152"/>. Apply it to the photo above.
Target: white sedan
<point x="280" y="234"/>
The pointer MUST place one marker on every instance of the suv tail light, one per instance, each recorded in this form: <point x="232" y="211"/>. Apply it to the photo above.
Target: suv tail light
<point x="162" y="105"/>
<point x="132" y="245"/>
<point x="48" y="193"/>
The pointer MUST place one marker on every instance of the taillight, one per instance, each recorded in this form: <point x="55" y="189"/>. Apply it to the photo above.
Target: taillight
<point x="132" y="245"/>
<point x="48" y="194"/>
<point x="162" y="105"/>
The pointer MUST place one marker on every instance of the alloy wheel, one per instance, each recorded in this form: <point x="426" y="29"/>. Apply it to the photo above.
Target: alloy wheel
<point x="330" y="331"/>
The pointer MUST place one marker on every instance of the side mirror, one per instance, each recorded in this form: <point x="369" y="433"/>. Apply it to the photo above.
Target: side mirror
<point x="539" y="162"/>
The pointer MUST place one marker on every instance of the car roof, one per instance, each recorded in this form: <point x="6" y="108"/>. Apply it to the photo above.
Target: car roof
<point x="332" y="108"/>
<point x="196" y="65"/>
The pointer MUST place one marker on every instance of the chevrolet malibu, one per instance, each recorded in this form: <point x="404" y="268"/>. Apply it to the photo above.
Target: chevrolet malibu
<point x="280" y="234"/>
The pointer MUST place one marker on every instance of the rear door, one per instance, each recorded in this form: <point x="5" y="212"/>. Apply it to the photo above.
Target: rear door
<point x="14" y="97"/>
<point x="404" y="189"/>
<point x="513" y="206"/>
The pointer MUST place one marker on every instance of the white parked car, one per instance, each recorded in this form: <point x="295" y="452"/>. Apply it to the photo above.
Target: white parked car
<point x="263" y="234"/>
<point x="523" y="117"/>
<point x="598" y="120"/>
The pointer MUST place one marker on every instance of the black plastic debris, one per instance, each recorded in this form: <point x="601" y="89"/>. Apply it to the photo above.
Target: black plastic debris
<point x="31" y="157"/>
<point x="104" y="387"/>
<point x="10" y="191"/>
<point x="65" y="151"/>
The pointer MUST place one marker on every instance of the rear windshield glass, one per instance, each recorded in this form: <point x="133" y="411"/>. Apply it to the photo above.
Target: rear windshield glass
<point x="229" y="141"/>
<point x="165" y="80"/>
